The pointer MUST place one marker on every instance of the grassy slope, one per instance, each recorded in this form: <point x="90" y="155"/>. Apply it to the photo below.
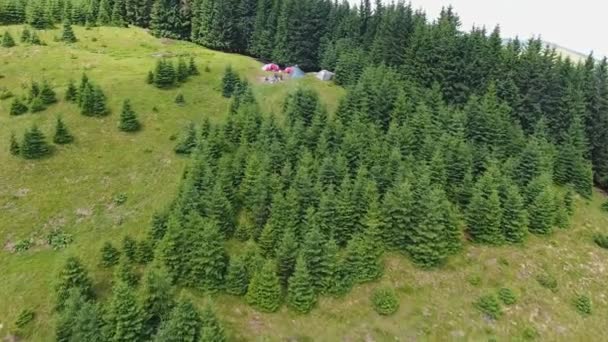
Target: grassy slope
<point x="74" y="189"/>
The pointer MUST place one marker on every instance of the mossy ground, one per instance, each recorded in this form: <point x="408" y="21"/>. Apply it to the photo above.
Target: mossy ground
<point x="75" y="187"/>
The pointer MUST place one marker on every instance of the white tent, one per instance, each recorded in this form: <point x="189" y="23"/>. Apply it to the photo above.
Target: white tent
<point x="325" y="75"/>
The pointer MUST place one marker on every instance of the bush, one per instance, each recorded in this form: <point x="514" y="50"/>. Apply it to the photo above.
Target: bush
<point x="490" y="306"/>
<point x="25" y="317"/>
<point x="529" y="334"/>
<point x="601" y="240"/>
<point x="507" y="296"/>
<point x="59" y="239"/>
<point x="605" y="206"/>
<point x="385" y="301"/>
<point x="547" y="281"/>
<point x="583" y="305"/>
<point x="23" y="245"/>
<point x="120" y="199"/>
<point x="5" y="94"/>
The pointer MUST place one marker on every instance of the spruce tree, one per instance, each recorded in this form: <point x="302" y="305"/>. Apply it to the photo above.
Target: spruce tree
<point x="71" y="93"/>
<point x="237" y="278"/>
<point x="18" y="107"/>
<point x="188" y="142"/>
<point x="34" y="145"/>
<point x="67" y="35"/>
<point x="211" y="329"/>
<point x="80" y="320"/>
<point x="7" y="40"/>
<point x="128" y="118"/>
<point x="104" y="15"/>
<point x="542" y="212"/>
<point x="192" y="68"/>
<point x="119" y="14"/>
<point x="62" y="135"/>
<point x="37" y="105"/>
<point x="129" y="248"/>
<point x="515" y="219"/>
<point x="183" y="324"/>
<point x="287" y="252"/>
<point x="179" y="99"/>
<point x="312" y="252"/>
<point x="230" y="81"/>
<point x="145" y="251"/>
<point x="301" y="295"/>
<point x="164" y="74"/>
<point x="73" y="275"/>
<point x="14" y="147"/>
<point x="150" y="77"/>
<point x="207" y="261"/>
<point x="125" y="273"/>
<point x="109" y="255"/>
<point x="264" y="292"/>
<point x="47" y="94"/>
<point x="157" y="301"/>
<point x="124" y="316"/>
<point x="182" y="71"/>
<point x="25" y="35"/>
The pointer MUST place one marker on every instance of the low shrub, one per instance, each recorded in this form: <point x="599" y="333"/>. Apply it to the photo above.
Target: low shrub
<point x="507" y="296"/>
<point x="583" y="305"/>
<point x="58" y="239"/>
<point x="385" y="301"/>
<point x="25" y="317"/>
<point x="547" y="281"/>
<point x="490" y="306"/>
<point x="601" y="240"/>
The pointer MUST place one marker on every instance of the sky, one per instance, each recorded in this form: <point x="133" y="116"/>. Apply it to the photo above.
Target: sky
<point x="580" y="25"/>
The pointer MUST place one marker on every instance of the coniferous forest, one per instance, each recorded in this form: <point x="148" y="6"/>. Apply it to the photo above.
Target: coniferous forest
<point x="445" y="137"/>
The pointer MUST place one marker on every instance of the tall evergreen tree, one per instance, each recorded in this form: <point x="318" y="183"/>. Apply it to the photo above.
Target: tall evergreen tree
<point x="62" y="135"/>
<point x="124" y="316"/>
<point x="264" y="292"/>
<point x="7" y="40"/>
<point x="301" y="295"/>
<point x="34" y="145"/>
<point x="67" y="35"/>
<point x="128" y="118"/>
<point x="73" y="276"/>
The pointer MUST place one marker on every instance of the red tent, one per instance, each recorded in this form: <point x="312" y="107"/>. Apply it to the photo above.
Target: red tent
<point x="271" y="67"/>
<point x="289" y="70"/>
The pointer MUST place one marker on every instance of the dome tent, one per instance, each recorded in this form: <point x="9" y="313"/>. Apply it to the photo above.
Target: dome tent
<point x="296" y="72"/>
<point x="325" y="75"/>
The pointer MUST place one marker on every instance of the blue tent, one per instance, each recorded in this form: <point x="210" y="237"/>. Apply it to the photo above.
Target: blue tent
<point x="296" y="72"/>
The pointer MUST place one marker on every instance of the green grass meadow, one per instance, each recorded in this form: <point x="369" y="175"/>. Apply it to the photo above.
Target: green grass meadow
<point x="74" y="189"/>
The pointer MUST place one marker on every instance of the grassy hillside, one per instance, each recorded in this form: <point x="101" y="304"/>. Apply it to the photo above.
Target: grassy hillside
<point x="74" y="190"/>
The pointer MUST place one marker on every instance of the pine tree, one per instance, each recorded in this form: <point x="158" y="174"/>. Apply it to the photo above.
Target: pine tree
<point x="109" y="255"/>
<point x="179" y="99"/>
<point x="192" y="68"/>
<point x="119" y="14"/>
<point x="230" y="82"/>
<point x="71" y="94"/>
<point x="183" y="71"/>
<point x="73" y="275"/>
<point x="124" y="315"/>
<point x="164" y="74"/>
<point x="183" y="324"/>
<point x="313" y="254"/>
<point x="47" y="94"/>
<point x="18" y="107"/>
<point x="150" y="77"/>
<point x="80" y="320"/>
<point x="515" y="219"/>
<point x="207" y="261"/>
<point x="157" y="301"/>
<point x="37" y="105"/>
<point x="398" y="216"/>
<point x="67" y="35"/>
<point x="129" y="248"/>
<point x="14" y="147"/>
<point x="125" y="273"/>
<point x="34" y="145"/>
<point x="211" y="329"/>
<point x="62" y="135"/>
<point x="237" y="278"/>
<point x="188" y="142"/>
<point x="25" y="35"/>
<point x="104" y="16"/>
<point x="542" y="212"/>
<point x="287" y="252"/>
<point x="145" y="251"/>
<point x="484" y="213"/>
<point x="7" y="40"/>
<point x="128" y="118"/>
<point x="35" y="40"/>
<point x="264" y="292"/>
<point x="301" y="295"/>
